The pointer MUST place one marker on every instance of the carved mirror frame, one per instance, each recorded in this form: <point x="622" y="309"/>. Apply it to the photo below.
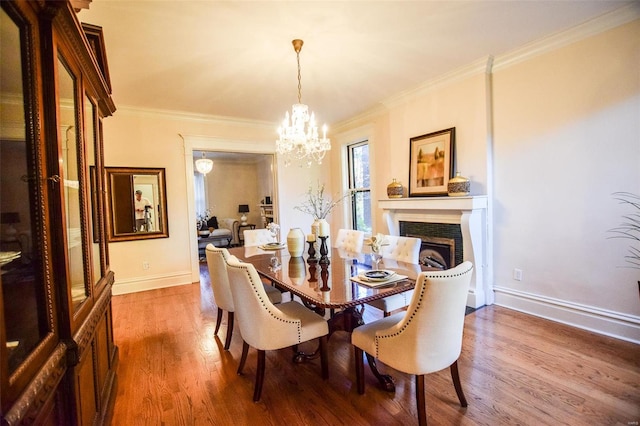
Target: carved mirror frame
<point x="150" y="221"/>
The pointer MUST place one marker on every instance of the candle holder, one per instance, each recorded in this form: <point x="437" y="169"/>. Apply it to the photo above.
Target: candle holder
<point x="324" y="276"/>
<point x="312" y="252"/>
<point x="324" y="259"/>
<point x="313" y="276"/>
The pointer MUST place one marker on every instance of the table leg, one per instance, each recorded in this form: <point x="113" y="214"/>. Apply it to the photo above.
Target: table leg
<point x="386" y="381"/>
<point x="346" y="320"/>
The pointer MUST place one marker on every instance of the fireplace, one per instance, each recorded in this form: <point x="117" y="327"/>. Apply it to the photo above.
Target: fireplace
<point x="441" y="242"/>
<point x="452" y="230"/>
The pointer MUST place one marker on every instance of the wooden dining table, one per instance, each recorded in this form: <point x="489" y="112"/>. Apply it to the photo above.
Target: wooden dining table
<point x="323" y="286"/>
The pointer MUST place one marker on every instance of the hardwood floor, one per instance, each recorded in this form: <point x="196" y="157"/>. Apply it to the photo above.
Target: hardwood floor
<point x="515" y="369"/>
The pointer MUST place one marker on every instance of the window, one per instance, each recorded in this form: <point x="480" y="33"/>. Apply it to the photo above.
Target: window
<point x="358" y="158"/>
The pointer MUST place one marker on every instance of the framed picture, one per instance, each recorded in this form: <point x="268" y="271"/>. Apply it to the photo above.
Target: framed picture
<point x="431" y="163"/>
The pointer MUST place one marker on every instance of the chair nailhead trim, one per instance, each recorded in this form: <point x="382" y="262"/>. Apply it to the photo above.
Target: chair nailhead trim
<point x="253" y="286"/>
<point x="418" y="306"/>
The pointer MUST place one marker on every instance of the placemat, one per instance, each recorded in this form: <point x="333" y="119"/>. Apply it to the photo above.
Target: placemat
<point x="393" y="279"/>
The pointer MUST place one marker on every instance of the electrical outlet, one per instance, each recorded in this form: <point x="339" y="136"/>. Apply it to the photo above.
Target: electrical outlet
<point x="145" y="265"/>
<point x="517" y="274"/>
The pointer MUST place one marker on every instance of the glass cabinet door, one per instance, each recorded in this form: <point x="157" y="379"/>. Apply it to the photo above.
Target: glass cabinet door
<point x="71" y="182"/>
<point x="93" y="189"/>
<point x="23" y="297"/>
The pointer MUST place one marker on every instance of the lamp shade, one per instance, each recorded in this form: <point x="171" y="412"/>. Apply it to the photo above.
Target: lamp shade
<point x="243" y="208"/>
<point x="12" y="217"/>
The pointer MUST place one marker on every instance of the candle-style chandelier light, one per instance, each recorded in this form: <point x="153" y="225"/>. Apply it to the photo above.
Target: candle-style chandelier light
<point x="299" y="138"/>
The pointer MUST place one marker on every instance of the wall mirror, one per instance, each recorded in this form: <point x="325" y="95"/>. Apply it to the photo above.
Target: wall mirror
<point x="137" y="204"/>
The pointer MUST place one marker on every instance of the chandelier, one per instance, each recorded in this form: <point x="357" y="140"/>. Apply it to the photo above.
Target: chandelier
<point x="204" y="165"/>
<point x="299" y="137"/>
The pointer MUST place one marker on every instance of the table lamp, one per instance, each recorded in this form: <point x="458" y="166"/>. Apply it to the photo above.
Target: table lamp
<point x="244" y="209"/>
<point x="9" y="219"/>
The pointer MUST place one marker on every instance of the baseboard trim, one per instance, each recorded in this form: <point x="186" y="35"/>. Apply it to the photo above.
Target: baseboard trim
<point x="134" y="285"/>
<point x="609" y="323"/>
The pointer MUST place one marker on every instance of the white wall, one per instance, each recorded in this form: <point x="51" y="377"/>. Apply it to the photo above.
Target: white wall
<point x="558" y="131"/>
<point x="549" y="137"/>
<point x="567" y="135"/>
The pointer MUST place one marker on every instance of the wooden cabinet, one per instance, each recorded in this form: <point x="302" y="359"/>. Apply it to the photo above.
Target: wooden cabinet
<point x="57" y="354"/>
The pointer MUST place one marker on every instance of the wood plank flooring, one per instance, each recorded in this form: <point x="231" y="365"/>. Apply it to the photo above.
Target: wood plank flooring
<point x="515" y="369"/>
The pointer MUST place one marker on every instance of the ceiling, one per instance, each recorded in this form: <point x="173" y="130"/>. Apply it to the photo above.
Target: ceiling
<point x="235" y="58"/>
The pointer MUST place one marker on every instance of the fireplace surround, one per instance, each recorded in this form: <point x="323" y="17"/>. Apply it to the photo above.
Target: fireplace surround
<point x="431" y="216"/>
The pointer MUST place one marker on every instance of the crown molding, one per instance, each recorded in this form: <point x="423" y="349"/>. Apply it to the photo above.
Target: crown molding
<point x="598" y="25"/>
<point x="195" y="117"/>
<point x="474" y="68"/>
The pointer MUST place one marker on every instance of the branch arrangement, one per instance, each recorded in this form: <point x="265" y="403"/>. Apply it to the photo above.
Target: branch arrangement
<point x="317" y="205"/>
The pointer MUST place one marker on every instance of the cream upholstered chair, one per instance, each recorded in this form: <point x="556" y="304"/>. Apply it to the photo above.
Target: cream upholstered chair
<point x="350" y="240"/>
<point x="217" y="264"/>
<point x="402" y="249"/>
<point x="257" y="237"/>
<point x="266" y="326"/>
<point x="425" y="339"/>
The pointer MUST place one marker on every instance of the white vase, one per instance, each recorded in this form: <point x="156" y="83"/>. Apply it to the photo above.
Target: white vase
<point x="295" y="242"/>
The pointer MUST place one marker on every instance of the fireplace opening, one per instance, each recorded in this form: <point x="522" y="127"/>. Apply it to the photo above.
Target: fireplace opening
<point x="437" y="252"/>
<point x="441" y="242"/>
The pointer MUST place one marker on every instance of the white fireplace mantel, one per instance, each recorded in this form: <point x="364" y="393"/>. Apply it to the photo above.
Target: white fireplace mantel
<point x="469" y="212"/>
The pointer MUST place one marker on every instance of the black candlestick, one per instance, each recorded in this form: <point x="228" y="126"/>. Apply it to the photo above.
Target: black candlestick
<point x="324" y="260"/>
<point x="324" y="276"/>
<point x="312" y="252"/>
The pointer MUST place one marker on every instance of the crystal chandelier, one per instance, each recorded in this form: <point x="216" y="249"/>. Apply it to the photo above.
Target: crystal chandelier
<point x="204" y="165"/>
<point x="299" y="137"/>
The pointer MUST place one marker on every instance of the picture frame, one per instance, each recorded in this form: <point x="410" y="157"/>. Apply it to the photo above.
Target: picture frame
<point x="431" y="163"/>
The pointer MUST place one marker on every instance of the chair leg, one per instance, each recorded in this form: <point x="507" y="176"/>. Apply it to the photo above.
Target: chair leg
<point x="259" y="376"/>
<point x="324" y="362"/>
<point x="218" y="321"/>
<point x="456" y="383"/>
<point x="359" y="355"/>
<point x="243" y="358"/>
<point x="421" y="401"/>
<point x="227" y="342"/>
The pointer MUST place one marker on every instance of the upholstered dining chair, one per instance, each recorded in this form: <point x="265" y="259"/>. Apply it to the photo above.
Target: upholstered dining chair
<point x="402" y="249"/>
<point x="350" y="240"/>
<point x="217" y="264"/>
<point x="424" y="339"/>
<point x="265" y="326"/>
<point x="257" y="237"/>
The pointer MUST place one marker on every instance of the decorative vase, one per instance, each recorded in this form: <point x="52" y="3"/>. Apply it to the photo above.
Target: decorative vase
<point x="295" y="242"/>
<point x="458" y="186"/>
<point x="395" y="189"/>
<point x="297" y="270"/>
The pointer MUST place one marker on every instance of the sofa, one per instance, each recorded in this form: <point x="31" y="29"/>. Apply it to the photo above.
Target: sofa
<point x="225" y="233"/>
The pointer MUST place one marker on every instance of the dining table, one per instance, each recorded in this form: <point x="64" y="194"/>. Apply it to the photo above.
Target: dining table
<point x="337" y="283"/>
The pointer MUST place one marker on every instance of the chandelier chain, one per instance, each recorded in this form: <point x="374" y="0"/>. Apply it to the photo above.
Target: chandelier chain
<point x="299" y="80"/>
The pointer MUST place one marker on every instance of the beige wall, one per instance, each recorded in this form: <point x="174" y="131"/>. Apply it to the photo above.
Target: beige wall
<point x="558" y="133"/>
<point x="232" y="183"/>
<point x="556" y="129"/>
<point x="567" y="136"/>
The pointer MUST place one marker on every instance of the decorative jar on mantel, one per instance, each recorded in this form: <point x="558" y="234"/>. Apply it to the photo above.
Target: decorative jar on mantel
<point x="395" y="189"/>
<point x="458" y="186"/>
